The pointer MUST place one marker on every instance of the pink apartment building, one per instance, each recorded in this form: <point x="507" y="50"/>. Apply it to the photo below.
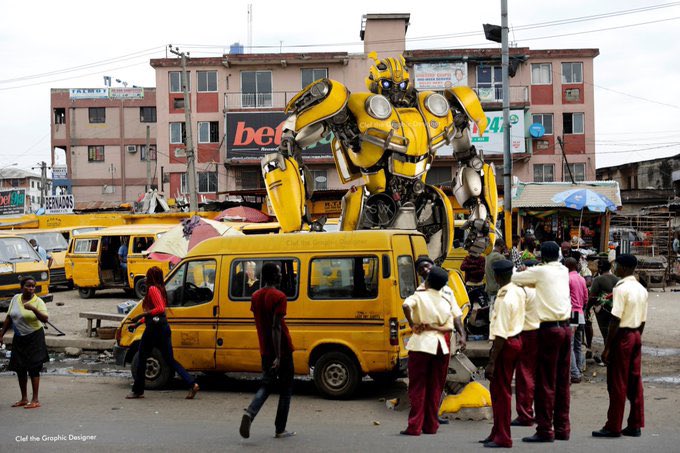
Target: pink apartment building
<point x="237" y="103"/>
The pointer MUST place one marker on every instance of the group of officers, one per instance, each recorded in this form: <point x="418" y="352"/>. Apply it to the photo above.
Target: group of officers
<point x="531" y="334"/>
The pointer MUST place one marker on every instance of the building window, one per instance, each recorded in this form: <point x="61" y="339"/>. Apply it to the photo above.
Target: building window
<point x="207" y="81"/>
<point x="95" y="154"/>
<point x="178" y="133"/>
<point x="147" y="114"/>
<point x="546" y="119"/>
<point x="152" y="152"/>
<point x="544" y="173"/>
<point x="320" y="178"/>
<point x="489" y="83"/>
<point x="59" y="116"/>
<point x="256" y="89"/>
<point x="32" y="184"/>
<point x="577" y="170"/>
<point x="438" y="176"/>
<point x="541" y="74"/>
<point x="572" y="72"/>
<point x="312" y="75"/>
<point x="572" y="123"/>
<point x="249" y="179"/>
<point x="207" y="182"/>
<point x="208" y="132"/>
<point x="97" y="115"/>
<point x="176" y="82"/>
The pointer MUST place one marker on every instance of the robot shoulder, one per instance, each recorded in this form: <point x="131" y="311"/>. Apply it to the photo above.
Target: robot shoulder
<point x="318" y="101"/>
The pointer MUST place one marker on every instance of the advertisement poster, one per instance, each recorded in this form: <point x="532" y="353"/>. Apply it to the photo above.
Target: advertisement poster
<point x="59" y="204"/>
<point x="12" y="201"/>
<point x="439" y="76"/>
<point x="492" y="140"/>
<point x="252" y="135"/>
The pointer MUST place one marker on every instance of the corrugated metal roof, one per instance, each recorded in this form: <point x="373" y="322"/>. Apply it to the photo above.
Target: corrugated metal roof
<point x="100" y="206"/>
<point x="539" y="194"/>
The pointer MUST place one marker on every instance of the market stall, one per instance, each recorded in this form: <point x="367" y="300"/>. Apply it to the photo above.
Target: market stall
<point x="538" y="208"/>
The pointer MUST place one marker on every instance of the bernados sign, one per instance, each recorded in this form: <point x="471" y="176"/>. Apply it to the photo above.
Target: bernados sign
<point x="59" y="204"/>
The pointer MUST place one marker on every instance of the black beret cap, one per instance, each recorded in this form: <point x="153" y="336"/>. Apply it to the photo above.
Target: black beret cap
<point x="423" y="259"/>
<point x="627" y="260"/>
<point x="550" y="249"/>
<point x="437" y="278"/>
<point x="502" y="266"/>
<point x="531" y="263"/>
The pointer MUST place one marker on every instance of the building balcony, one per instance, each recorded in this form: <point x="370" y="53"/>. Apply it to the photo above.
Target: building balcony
<point x="488" y="95"/>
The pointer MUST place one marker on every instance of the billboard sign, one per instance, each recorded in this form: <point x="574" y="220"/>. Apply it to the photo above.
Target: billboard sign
<point x="126" y="93"/>
<point x="439" y="76"/>
<point x="59" y="204"/>
<point x="88" y="93"/>
<point x="251" y="135"/>
<point x="12" y="201"/>
<point x="492" y="140"/>
<point x="59" y="172"/>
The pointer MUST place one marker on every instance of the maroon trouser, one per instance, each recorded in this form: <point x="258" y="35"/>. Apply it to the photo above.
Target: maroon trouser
<point x="624" y="380"/>
<point x="501" y="391"/>
<point x="552" y="382"/>
<point x="426" y="377"/>
<point x="525" y="377"/>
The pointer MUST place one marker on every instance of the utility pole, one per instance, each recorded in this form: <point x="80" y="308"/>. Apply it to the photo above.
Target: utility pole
<point x="507" y="158"/>
<point x="191" y="165"/>
<point x="148" y="160"/>
<point x="43" y="182"/>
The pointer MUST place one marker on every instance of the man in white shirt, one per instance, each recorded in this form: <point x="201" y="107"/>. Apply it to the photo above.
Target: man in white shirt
<point x="525" y="375"/>
<point x="505" y="327"/>
<point x="623" y="352"/>
<point x="553" y="305"/>
<point x="430" y="318"/>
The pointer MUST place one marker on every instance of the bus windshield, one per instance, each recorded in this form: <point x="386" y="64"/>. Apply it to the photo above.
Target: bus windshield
<point x="52" y="241"/>
<point x="14" y="250"/>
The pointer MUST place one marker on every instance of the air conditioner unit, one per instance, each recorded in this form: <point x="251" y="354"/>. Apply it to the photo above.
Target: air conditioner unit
<point x="131" y="149"/>
<point x="108" y="189"/>
<point x="180" y="152"/>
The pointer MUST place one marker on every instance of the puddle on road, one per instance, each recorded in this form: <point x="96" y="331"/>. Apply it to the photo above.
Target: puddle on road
<point x="660" y="352"/>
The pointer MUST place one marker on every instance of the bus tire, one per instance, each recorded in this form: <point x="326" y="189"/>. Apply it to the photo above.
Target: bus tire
<point x="86" y="293"/>
<point x="158" y="373"/>
<point x="336" y="375"/>
<point x="140" y="288"/>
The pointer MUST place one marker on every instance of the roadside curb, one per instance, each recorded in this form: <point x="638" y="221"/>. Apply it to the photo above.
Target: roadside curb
<point x="59" y="344"/>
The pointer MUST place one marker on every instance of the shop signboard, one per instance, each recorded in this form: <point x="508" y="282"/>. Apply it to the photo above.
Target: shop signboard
<point x="59" y="204"/>
<point x="439" y="76"/>
<point x="88" y="93"/>
<point x="251" y="135"/>
<point x="126" y="93"/>
<point x="12" y="201"/>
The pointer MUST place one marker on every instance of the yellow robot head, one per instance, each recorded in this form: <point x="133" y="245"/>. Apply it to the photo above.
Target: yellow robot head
<point x="388" y="77"/>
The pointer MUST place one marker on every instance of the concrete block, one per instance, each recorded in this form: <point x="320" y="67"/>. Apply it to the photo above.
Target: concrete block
<point x="72" y="352"/>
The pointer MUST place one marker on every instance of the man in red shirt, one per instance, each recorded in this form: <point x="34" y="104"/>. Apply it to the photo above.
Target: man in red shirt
<point x="268" y="305"/>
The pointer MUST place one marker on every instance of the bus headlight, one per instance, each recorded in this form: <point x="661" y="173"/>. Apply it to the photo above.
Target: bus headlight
<point x="44" y="276"/>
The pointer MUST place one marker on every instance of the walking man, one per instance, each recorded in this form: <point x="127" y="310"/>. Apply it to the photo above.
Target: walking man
<point x="268" y="305"/>
<point x="623" y="352"/>
<point x="579" y="297"/>
<point x="505" y="328"/>
<point x="552" y="398"/>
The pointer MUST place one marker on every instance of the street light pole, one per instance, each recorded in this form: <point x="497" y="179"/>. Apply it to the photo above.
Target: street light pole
<point x="507" y="158"/>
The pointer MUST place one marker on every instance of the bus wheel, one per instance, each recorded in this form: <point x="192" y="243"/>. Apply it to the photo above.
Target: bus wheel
<point x="140" y="288"/>
<point x="86" y="293"/>
<point x="157" y="372"/>
<point x="336" y="375"/>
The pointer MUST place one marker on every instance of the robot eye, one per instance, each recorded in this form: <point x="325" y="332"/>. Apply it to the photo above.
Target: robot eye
<point x="386" y="84"/>
<point x="402" y="85"/>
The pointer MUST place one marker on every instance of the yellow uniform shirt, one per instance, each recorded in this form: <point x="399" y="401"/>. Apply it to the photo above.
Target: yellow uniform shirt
<point x="630" y="302"/>
<point x="429" y="307"/>
<point x="25" y="321"/>
<point x="551" y="280"/>
<point x="507" y="319"/>
<point x="531" y="320"/>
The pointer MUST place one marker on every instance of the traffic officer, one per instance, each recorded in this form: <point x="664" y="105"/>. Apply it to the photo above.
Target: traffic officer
<point x="622" y="352"/>
<point x="525" y="376"/>
<point x="553" y="304"/>
<point x="505" y="327"/>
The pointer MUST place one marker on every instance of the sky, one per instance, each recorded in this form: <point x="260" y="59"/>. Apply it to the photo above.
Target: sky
<point x="73" y="44"/>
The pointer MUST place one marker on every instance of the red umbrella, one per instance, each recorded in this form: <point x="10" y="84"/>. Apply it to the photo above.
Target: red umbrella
<point x="243" y="214"/>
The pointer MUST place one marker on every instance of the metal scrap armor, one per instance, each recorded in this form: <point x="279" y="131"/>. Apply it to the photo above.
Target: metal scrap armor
<point x="387" y="138"/>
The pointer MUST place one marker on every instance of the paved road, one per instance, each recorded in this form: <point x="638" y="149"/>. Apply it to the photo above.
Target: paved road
<point x="80" y="405"/>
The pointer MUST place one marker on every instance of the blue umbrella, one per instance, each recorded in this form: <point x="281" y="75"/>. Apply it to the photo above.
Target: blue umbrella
<point x="584" y="198"/>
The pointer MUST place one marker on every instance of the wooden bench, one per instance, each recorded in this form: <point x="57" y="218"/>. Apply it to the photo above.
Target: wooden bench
<point x="91" y="315"/>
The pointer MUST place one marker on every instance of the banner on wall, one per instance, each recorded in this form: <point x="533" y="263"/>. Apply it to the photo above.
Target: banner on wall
<point x="251" y="135"/>
<point x="12" y="201"/>
<point x="439" y="76"/>
<point x="492" y="140"/>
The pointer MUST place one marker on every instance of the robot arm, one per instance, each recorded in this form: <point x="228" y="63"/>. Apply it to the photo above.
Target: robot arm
<point x="287" y="180"/>
<point x="474" y="185"/>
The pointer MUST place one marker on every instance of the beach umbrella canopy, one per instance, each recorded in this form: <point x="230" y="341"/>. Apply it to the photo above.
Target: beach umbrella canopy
<point x="243" y="214"/>
<point x="584" y="198"/>
<point x="174" y="244"/>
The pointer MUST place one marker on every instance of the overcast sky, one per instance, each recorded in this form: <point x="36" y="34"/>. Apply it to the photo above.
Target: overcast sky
<point x="67" y="44"/>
